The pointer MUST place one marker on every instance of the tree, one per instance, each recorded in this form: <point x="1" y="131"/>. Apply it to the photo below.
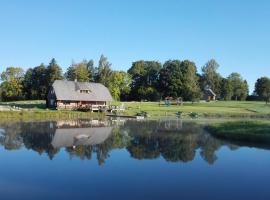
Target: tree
<point x="179" y="79"/>
<point x="145" y="80"/>
<point x="11" y="87"/>
<point x="170" y="79"/>
<point x="53" y="72"/>
<point x="262" y="88"/>
<point x="226" y="91"/>
<point x="35" y="82"/>
<point x="210" y="77"/>
<point x="119" y="84"/>
<point x="92" y="70"/>
<point x="78" y="72"/>
<point x="239" y="86"/>
<point x="104" y="71"/>
<point x="190" y="89"/>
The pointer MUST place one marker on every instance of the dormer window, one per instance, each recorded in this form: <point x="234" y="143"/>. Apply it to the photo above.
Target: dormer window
<point x="85" y="91"/>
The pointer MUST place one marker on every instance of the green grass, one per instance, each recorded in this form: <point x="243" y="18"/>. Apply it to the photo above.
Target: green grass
<point x="36" y="109"/>
<point x="204" y="109"/>
<point x="218" y="109"/>
<point x="247" y="131"/>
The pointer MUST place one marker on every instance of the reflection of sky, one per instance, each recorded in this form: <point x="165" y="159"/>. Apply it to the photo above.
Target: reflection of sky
<point x="238" y="173"/>
<point x="243" y="172"/>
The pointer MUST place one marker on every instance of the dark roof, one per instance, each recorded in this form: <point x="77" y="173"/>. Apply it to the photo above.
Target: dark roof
<point x="209" y="92"/>
<point x="70" y="90"/>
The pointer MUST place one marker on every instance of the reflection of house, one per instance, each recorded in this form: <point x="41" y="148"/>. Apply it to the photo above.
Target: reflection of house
<point x="209" y="95"/>
<point x="68" y="137"/>
<point x="81" y="123"/>
<point x="73" y="95"/>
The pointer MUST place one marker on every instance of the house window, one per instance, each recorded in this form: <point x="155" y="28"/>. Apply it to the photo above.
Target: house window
<point x="52" y="102"/>
<point x="67" y="102"/>
<point x="85" y="91"/>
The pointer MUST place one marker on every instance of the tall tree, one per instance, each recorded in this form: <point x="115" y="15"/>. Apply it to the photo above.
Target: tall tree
<point x="191" y="90"/>
<point x="11" y="87"/>
<point x="226" y="91"/>
<point x="119" y="84"/>
<point x="170" y="79"/>
<point x="92" y="70"/>
<point x="145" y="80"/>
<point x="78" y="72"/>
<point x="36" y="83"/>
<point x="53" y="72"/>
<point x="262" y="88"/>
<point x="104" y="71"/>
<point x="239" y="86"/>
<point x="210" y="77"/>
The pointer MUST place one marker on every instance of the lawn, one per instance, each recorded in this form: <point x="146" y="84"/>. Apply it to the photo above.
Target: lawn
<point x="203" y="109"/>
<point x="248" y="131"/>
<point x="156" y="109"/>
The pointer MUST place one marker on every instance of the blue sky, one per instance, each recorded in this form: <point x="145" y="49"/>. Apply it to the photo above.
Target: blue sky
<point x="235" y="33"/>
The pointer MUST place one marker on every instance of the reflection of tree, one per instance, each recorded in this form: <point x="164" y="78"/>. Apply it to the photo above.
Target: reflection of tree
<point x="151" y="140"/>
<point x="173" y="140"/>
<point x="10" y="137"/>
<point x="83" y="152"/>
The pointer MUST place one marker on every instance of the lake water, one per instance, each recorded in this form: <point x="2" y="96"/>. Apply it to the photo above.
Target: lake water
<point x="94" y="159"/>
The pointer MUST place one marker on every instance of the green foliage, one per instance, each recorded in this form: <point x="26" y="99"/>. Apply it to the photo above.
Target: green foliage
<point x="191" y="90"/>
<point x="210" y="77"/>
<point x="144" y="80"/>
<point x="104" y="71"/>
<point x="53" y="72"/>
<point x="179" y="79"/>
<point x="262" y="88"/>
<point x="119" y="84"/>
<point x="226" y="92"/>
<point x="78" y="72"/>
<point x="11" y="88"/>
<point x="171" y="79"/>
<point x="37" y="81"/>
<point x="239" y="86"/>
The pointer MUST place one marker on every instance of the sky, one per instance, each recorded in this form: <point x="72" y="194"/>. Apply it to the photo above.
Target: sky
<point x="235" y="33"/>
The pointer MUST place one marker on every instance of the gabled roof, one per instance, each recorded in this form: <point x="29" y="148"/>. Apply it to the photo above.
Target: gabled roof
<point x="210" y="92"/>
<point x="68" y="137"/>
<point x="70" y="91"/>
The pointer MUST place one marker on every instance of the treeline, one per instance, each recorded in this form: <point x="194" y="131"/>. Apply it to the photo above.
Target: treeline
<point x="144" y="80"/>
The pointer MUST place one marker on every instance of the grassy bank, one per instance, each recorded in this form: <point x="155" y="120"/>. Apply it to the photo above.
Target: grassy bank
<point x="248" y="131"/>
<point x="220" y="109"/>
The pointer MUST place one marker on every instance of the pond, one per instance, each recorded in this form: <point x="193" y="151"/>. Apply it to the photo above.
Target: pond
<point x="127" y="159"/>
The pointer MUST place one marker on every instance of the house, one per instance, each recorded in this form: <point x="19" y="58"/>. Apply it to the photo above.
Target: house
<point x="78" y="95"/>
<point x="209" y="95"/>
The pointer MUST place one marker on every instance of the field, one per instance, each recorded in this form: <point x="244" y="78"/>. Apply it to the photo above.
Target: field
<point x="203" y="109"/>
<point x="153" y="109"/>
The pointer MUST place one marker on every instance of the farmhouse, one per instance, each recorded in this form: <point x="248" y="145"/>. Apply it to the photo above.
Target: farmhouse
<point x="78" y="95"/>
<point x="209" y="95"/>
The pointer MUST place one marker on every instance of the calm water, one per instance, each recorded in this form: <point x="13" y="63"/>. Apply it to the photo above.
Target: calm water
<point x="92" y="159"/>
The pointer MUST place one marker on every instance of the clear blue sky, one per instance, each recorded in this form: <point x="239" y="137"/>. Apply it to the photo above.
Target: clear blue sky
<point x="235" y="33"/>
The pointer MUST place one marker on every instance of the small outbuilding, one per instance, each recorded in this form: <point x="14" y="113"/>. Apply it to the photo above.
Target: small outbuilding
<point x="78" y="95"/>
<point x="209" y="95"/>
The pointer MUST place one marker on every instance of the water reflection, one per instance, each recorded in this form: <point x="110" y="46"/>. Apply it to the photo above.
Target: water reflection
<point x="175" y="141"/>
